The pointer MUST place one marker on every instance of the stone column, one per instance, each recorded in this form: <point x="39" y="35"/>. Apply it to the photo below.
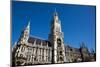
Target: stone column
<point x="50" y="55"/>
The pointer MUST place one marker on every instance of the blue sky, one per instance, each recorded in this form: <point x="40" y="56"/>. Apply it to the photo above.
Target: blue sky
<point x="78" y="21"/>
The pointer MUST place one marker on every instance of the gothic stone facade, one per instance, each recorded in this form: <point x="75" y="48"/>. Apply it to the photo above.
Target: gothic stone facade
<point x="30" y="50"/>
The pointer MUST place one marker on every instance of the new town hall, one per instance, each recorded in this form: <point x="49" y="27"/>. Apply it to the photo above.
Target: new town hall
<point x="33" y="50"/>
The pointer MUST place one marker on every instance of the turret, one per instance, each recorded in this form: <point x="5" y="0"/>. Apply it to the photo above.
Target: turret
<point x="25" y="35"/>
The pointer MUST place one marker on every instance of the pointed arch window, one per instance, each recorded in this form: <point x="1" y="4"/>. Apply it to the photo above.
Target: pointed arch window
<point x="59" y="42"/>
<point x="60" y="52"/>
<point x="61" y="59"/>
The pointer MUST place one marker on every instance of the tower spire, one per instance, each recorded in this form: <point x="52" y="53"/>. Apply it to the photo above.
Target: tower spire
<point x="28" y="26"/>
<point x="56" y="39"/>
<point x="25" y="34"/>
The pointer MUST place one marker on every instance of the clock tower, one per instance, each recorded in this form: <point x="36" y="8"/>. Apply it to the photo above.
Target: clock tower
<point x="56" y="39"/>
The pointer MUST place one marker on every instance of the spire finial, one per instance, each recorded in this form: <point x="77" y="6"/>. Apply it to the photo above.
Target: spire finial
<point x="55" y="13"/>
<point x="55" y="10"/>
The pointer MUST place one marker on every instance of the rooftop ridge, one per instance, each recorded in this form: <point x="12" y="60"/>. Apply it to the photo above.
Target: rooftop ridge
<point x="37" y="37"/>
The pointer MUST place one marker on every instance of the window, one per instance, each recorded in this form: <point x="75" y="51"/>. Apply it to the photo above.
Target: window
<point x="35" y="59"/>
<point x="22" y="49"/>
<point x="61" y="59"/>
<point x="59" y="42"/>
<point x="17" y="53"/>
<point x="60" y="52"/>
<point x="21" y="55"/>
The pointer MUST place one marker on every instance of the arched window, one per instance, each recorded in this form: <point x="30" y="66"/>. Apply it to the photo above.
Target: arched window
<point x="61" y="59"/>
<point x="59" y="42"/>
<point x="17" y="53"/>
<point x="21" y="55"/>
<point x="23" y="49"/>
<point x="60" y="52"/>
